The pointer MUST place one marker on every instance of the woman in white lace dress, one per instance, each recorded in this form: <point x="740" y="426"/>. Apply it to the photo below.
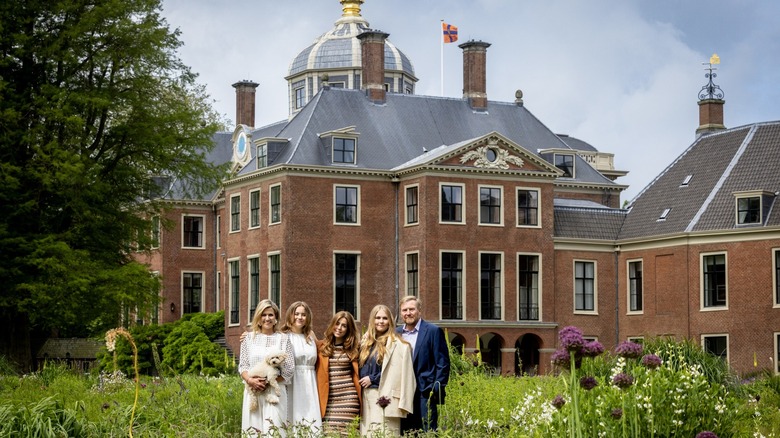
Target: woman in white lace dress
<point x="303" y="405"/>
<point x="255" y="346"/>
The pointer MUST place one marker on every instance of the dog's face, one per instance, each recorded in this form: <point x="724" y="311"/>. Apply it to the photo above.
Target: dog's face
<point x="276" y="359"/>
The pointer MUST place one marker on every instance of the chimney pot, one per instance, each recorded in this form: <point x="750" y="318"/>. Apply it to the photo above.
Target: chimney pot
<point x="475" y="73"/>
<point x="372" y="47"/>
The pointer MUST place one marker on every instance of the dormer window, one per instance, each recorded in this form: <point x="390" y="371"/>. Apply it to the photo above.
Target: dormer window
<point x="344" y="150"/>
<point x="752" y="206"/>
<point x="262" y="156"/>
<point x="300" y="97"/>
<point x="565" y="162"/>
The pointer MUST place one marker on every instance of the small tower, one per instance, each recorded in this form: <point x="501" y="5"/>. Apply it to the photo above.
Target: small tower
<point x="710" y="102"/>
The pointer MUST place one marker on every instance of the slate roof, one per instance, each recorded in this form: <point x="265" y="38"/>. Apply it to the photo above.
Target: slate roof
<point x="745" y="158"/>
<point x="587" y="222"/>
<point x="404" y="128"/>
<point x="577" y="144"/>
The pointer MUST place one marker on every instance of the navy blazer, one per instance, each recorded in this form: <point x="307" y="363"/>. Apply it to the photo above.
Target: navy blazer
<point x="431" y="360"/>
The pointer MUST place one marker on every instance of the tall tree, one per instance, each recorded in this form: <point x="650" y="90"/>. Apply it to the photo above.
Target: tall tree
<point x="94" y="104"/>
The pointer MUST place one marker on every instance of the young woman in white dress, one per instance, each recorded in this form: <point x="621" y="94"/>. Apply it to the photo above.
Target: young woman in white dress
<point x="255" y="346"/>
<point x="302" y="400"/>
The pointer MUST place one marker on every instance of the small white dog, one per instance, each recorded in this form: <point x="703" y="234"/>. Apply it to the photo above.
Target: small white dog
<point x="269" y="369"/>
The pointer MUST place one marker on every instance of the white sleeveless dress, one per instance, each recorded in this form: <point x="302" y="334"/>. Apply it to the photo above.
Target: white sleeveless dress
<point x="303" y="403"/>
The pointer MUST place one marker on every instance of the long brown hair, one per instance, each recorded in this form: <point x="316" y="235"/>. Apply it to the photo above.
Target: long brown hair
<point x="370" y="341"/>
<point x="350" y="337"/>
<point x="289" y="320"/>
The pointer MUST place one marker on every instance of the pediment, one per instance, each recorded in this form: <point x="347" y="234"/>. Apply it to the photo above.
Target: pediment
<point x="493" y="152"/>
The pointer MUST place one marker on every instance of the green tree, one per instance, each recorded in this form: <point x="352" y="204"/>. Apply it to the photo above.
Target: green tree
<point x="95" y="109"/>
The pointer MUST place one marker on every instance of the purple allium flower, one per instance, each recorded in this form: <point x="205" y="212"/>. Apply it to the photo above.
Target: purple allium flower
<point x="143" y="385"/>
<point x="592" y="349"/>
<point x="587" y="383"/>
<point x="571" y="338"/>
<point x="623" y="380"/>
<point x="617" y="413"/>
<point x="629" y="350"/>
<point x="706" y="434"/>
<point x="383" y="401"/>
<point x="558" y="402"/>
<point x="651" y="361"/>
<point x="561" y="358"/>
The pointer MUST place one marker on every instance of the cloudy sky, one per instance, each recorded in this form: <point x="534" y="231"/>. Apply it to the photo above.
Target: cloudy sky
<point x="623" y="75"/>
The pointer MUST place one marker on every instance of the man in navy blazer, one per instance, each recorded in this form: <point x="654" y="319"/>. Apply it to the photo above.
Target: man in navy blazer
<point x="431" y="361"/>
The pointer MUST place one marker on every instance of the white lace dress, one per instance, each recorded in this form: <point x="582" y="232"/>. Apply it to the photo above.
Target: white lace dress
<point x="303" y="403"/>
<point x="254" y="348"/>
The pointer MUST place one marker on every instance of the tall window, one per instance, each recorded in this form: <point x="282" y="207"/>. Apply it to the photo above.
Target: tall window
<point x="777" y="277"/>
<point x="346" y="205"/>
<point x="528" y="286"/>
<point x="451" y="203"/>
<point x="262" y="156"/>
<point x="714" y="281"/>
<point x="584" y="286"/>
<point x="451" y="285"/>
<point x="412" y="274"/>
<point x="218" y="291"/>
<point x="749" y="210"/>
<point x="254" y="285"/>
<point x="344" y="150"/>
<point x="717" y="345"/>
<point x="565" y="162"/>
<point x="490" y="285"/>
<point x="234" y="285"/>
<point x="300" y="97"/>
<point x="275" y="278"/>
<point x="527" y="207"/>
<point x="193" y="232"/>
<point x="489" y="205"/>
<point x="254" y="208"/>
<point x="219" y="231"/>
<point x="192" y="286"/>
<point x="777" y="352"/>
<point x="635" y="286"/>
<point x="276" y="204"/>
<point x="235" y="213"/>
<point x="155" y="231"/>
<point x="411" y="205"/>
<point x="346" y="283"/>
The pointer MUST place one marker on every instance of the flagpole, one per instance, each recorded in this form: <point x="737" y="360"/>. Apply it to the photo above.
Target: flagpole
<point x="441" y="61"/>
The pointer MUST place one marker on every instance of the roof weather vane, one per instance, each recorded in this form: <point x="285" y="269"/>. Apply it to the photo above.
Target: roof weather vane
<point x="711" y="91"/>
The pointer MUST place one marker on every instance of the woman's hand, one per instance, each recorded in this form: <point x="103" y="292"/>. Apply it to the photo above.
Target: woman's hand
<point x="365" y="382"/>
<point x="257" y="383"/>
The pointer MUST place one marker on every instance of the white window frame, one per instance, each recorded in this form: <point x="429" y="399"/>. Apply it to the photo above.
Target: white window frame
<point x="202" y="289"/>
<point x="230" y="211"/>
<point x="775" y="279"/>
<point x="462" y="204"/>
<point x="538" y="207"/>
<point x="230" y="292"/>
<point x="333" y="149"/>
<point x="749" y="195"/>
<point x="776" y="342"/>
<point x="357" y="280"/>
<point x="628" y="287"/>
<point x="463" y="286"/>
<point x="636" y="339"/>
<point x="501" y="207"/>
<point x="249" y="259"/>
<point x="718" y="335"/>
<point x="156" y="225"/>
<point x="406" y="205"/>
<point x="702" y="308"/>
<point x="259" y="209"/>
<point x="270" y="204"/>
<point x="406" y="273"/>
<point x="539" y="287"/>
<point x="357" y="208"/>
<point x="268" y="257"/>
<point x="218" y="231"/>
<point x="203" y="231"/>
<point x="217" y="290"/>
<point x="261" y="151"/>
<point x="502" y="286"/>
<point x="595" y="310"/>
<point x="573" y="164"/>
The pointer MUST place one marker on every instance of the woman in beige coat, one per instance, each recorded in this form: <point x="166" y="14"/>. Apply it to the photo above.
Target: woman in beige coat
<point x="386" y="373"/>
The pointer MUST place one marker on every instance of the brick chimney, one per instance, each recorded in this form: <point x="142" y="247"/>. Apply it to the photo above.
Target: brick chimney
<point x="710" y="116"/>
<point x="474" y="73"/>
<point x="372" y="46"/>
<point x="245" y="102"/>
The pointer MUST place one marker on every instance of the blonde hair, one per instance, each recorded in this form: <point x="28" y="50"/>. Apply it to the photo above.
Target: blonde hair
<point x="371" y="342"/>
<point x="289" y="320"/>
<point x="261" y="306"/>
<point x="408" y="298"/>
<point x="350" y="337"/>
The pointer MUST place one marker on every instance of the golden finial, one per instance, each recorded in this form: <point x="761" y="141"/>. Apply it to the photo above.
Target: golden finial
<point x="714" y="59"/>
<point x="351" y="8"/>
